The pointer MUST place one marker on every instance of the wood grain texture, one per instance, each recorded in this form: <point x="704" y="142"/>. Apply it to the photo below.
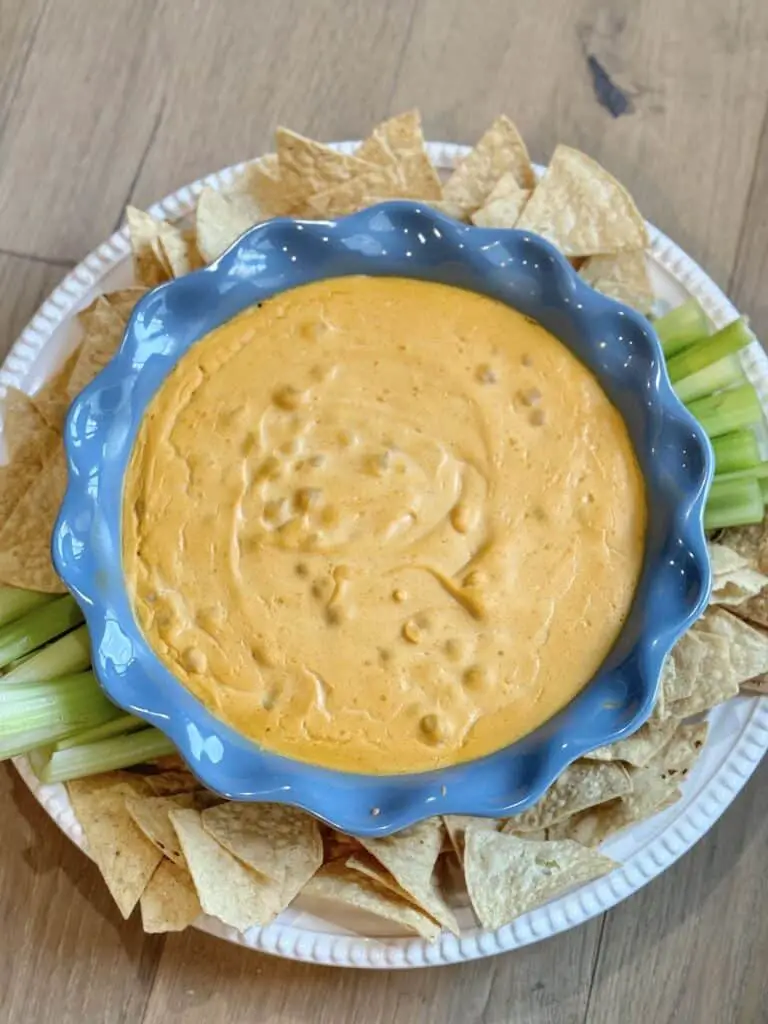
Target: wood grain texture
<point x="102" y="102"/>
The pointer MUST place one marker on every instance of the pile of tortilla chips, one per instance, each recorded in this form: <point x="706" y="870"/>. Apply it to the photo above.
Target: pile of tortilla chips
<point x="163" y="842"/>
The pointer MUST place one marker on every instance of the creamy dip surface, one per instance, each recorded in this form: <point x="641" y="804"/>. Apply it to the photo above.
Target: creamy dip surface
<point x="382" y="525"/>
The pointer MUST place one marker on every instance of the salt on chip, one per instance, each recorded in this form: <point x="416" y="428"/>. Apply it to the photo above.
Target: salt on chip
<point x="508" y="876"/>
<point x="623" y="276"/>
<point x="640" y="747"/>
<point x="582" y="209"/>
<point x="25" y="536"/>
<point x="340" y="884"/>
<point x="123" y="854"/>
<point x="501" y="150"/>
<point x="582" y="784"/>
<point x="221" y="219"/>
<point x="410" y="857"/>
<point x="504" y="204"/>
<point x="400" y="140"/>
<point x="152" y="815"/>
<point x="169" y="903"/>
<point x="281" y="843"/>
<point x="226" y="888"/>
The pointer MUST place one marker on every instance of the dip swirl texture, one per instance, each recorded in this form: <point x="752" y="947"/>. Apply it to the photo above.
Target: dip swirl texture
<point x="382" y="525"/>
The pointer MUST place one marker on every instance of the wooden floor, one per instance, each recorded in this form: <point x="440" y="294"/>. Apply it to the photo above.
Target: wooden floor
<point x="102" y="103"/>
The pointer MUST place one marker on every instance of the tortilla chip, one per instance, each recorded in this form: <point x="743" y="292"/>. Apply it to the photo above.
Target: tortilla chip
<point x="758" y="685"/>
<point x="733" y="578"/>
<point x="123" y="854"/>
<point x="103" y="329"/>
<point x="400" y="141"/>
<point x="341" y="884"/>
<point x="353" y="195"/>
<point x="501" y="150"/>
<point x="281" y="843"/>
<point x="30" y="441"/>
<point x="754" y="609"/>
<point x="150" y="263"/>
<point x="623" y="277"/>
<point x="25" y="537"/>
<point x="170" y="783"/>
<point x="582" y="209"/>
<point x="595" y="825"/>
<point x="582" y="784"/>
<point x="151" y="814"/>
<point x="221" y="219"/>
<point x="226" y="888"/>
<point x="502" y="208"/>
<point x="124" y="299"/>
<point x="52" y="400"/>
<point x="683" y="749"/>
<point x="338" y="846"/>
<point x="751" y="542"/>
<point x="456" y="826"/>
<point x="262" y="183"/>
<point x="639" y="748"/>
<point x="733" y="653"/>
<point x="169" y="903"/>
<point x="307" y="167"/>
<point x="410" y="857"/>
<point x="507" y="876"/>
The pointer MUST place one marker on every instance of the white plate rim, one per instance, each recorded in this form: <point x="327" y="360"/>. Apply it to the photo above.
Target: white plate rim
<point x="679" y="834"/>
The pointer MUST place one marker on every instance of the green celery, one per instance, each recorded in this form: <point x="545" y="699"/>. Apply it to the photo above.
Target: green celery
<point x="14" y="603"/>
<point x="681" y="327"/>
<point x="737" y="450"/>
<point x="725" y="373"/>
<point x="69" y="654"/>
<point x="37" y="627"/>
<point x="710" y="350"/>
<point x="35" y="714"/>
<point x="764" y="490"/>
<point x="103" y="756"/>
<point x="733" y="503"/>
<point x="115" y="727"/>
<point x="758" y="472"/>
<point x="727" y="410"/>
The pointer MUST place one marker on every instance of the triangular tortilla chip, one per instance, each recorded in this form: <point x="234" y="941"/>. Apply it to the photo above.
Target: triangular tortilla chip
<point x="623" y="277"/>
<point x="399" y="140"/>
<point x="582" y="209"/>
<point x="353" y="195"/>
<point x="171" y="782"/>
<point x="30" y="441"/>
<point x="307" y="167"/>
<point x="338" y="883"/>
<point x="221" y="219"/>
<point x="150" y="264"/>
<point x="151" y="814"/>
<point x="750" y="541"/>
<point x="502" y="208"/>
<point x="281" y="843"/>
<point x="226" y="888"/>
<point x="52" y="400"/>
<point x="261" y="181"/>
<point x="507" y="876"/>
<point x="410" y="858"/>
<point x="582" y="784"/>
<point x="734" y="580"/>
<point x="456" y="826"/>
<point x="125" y="857"/>
<point x="103" y="329"/>
<point x="124" y="299"/>
<point x="169" y="903"/>
<point x="500" y="150"/>
<point x="639" y="748"/>
<point x="25" y="537"/>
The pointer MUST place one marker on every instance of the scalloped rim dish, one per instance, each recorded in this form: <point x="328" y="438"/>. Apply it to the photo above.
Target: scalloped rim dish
<point x="739" y="730"/>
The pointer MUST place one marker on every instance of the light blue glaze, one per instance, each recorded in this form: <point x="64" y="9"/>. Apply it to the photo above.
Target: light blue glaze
<point x="399" y="238"/>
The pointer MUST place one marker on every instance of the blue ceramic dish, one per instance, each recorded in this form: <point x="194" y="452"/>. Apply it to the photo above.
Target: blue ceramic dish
<point x="396" y="238"/>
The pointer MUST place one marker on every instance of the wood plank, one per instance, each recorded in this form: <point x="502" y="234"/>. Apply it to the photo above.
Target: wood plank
<point x="18" y="28"/>
<point x="692" y="945"/>
<point x="696" y="75"/>
<point x="201" y="980"/>
<point x="750" y="277"/>
<point x="83" y="113"/>
<point x="24" y="284"/>
<point x="66" y="956"/>
<point x="325" y="68"/>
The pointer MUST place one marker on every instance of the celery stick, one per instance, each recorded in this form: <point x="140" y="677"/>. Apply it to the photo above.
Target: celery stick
<point x="727" y="410"/>
<point x="681" y="327"/>
<point x="14" y="603"/>
<point x="115" y="727"/>
<point x="709" y="350"/>
<point x="34" y="714"/>
<point x="764" y="490"/>
<point x="733" y="503"/>
<point x="104" y="756"/>
<point x="758" y="472"/>
<point x="734" y="451"/>
<point x="38" y="627"/>
<point x="69" y="654"/>
<point x="725" y="373"/>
